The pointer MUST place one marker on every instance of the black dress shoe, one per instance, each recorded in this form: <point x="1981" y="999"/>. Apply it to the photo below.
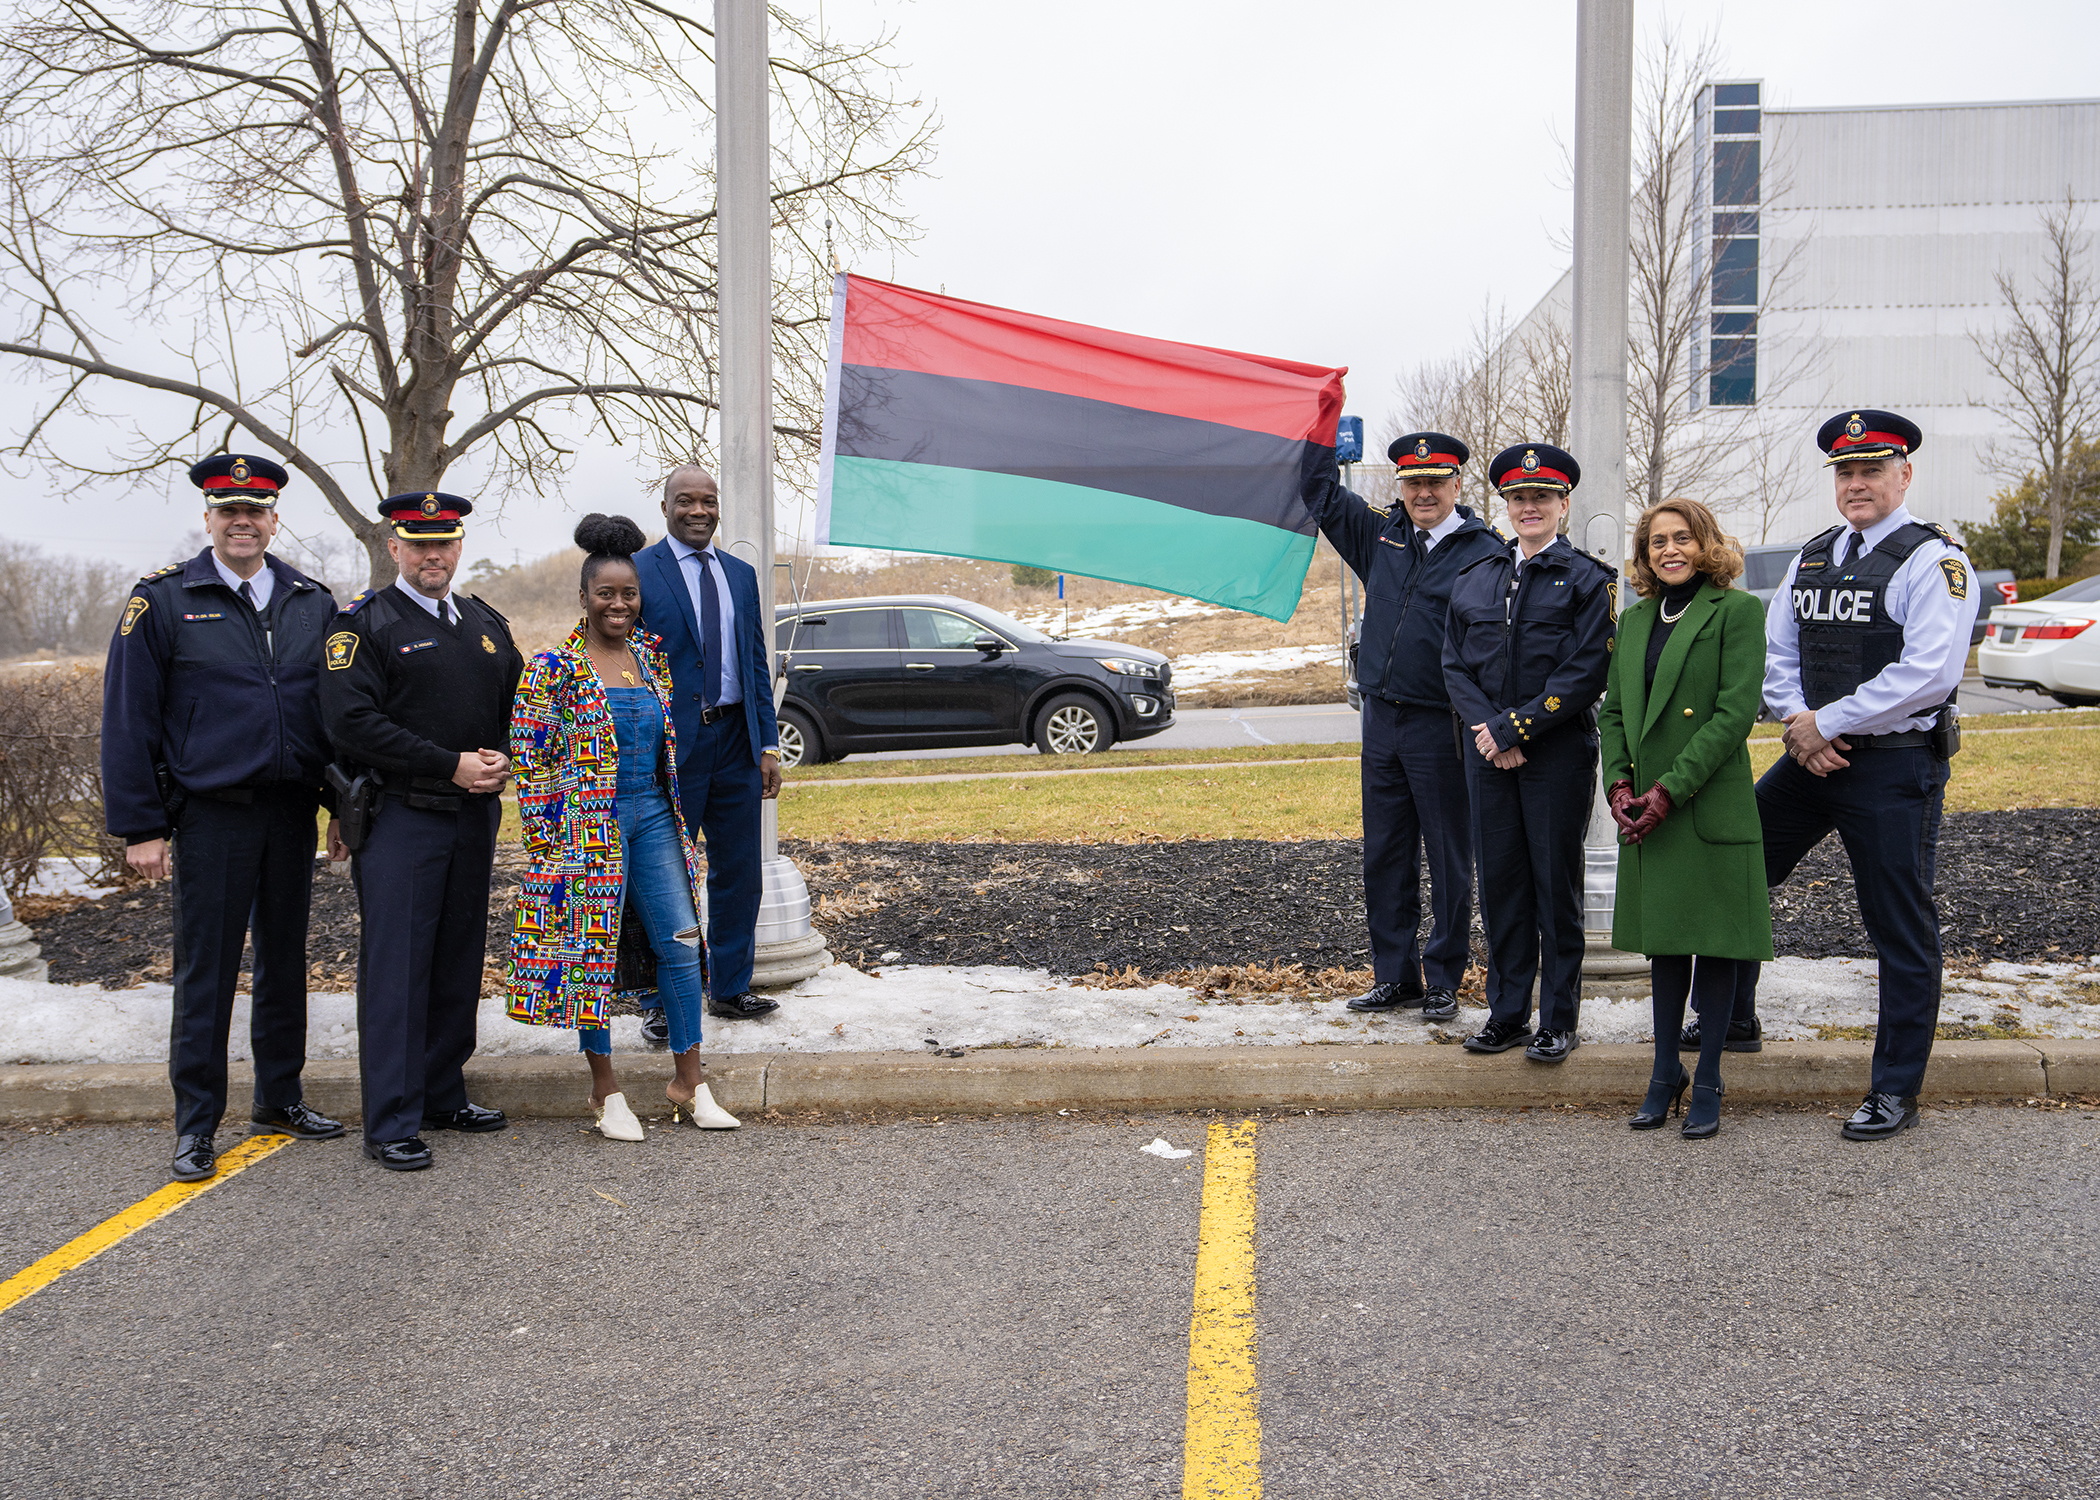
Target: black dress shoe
<point x="196" y="1158"/>
<point x="656" y="1028"/>
<point x="297" y="1120"/>
<point x="1665" y="1096"/>
<point x="1741" y="1037"/>
<point x="1552" y="1046"/>
<point x="1440" y="1004"/>
<point x="1880" y="1116"/>
<point x="410" y="1155"/>
<point x="472" y="1118"/>
<point x="1498" y="1036"/>
<point x="1703" y="1120"/>
<point x="1394" y="996"/>
<point x="742" y="1007"/>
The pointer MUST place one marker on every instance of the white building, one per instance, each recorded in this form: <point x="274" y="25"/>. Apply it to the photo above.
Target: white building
<point x="1889" y="223"/>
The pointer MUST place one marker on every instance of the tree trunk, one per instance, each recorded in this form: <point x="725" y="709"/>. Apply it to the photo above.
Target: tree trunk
<point x="380" y="561"/>
<point x="2057" y="484"/>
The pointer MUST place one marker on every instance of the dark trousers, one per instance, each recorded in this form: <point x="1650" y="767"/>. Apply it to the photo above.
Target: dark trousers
<point x="1886" y="807"/>
<point x="1414" y="793"/>
<point x="1528" y="826"/>
<point x="240" y="868"/>
<point x="718" y="796"/>
<point x="423" y="891"/>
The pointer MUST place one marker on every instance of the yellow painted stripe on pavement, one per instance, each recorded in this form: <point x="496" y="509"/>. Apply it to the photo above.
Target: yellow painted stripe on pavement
<point x="1221" y="1456"/>
<point x="113" y="1231"/>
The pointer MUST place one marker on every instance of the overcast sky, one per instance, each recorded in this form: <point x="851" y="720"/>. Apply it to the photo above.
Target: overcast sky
<point x="1341" y="183"/>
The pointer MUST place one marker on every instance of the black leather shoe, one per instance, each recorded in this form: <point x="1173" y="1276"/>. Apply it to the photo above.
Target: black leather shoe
<point x="656" y="1028"/>
<point x="1440" y="1004"/>
<point x="471" y="1118"/>
<point x="1741" y="1038"/>
<point x="1665" y="1096"/>
<point x="1498" y="1036"/>
<point x="742" y="1007"/>
<point x="1395" y="996"/>
<point x="1880" y="1116"/>
<point x="410" y="1155"/>
<point x="296" y="1120"/>
<point x="1552" y="1046"/>
<point x="196" y="1158"/>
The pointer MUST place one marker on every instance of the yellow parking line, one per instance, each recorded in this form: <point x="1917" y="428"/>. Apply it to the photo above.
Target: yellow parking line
<point x="1221" y="1456"/>
<point x="111" y="1231"/>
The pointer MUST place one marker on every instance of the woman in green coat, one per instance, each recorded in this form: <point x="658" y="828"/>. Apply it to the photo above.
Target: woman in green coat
<point x="1686" y="680"/>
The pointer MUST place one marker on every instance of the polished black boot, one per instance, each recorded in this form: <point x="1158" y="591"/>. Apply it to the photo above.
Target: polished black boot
<point x="1703" y="1119"/>
<point x="1665" y="1098"/>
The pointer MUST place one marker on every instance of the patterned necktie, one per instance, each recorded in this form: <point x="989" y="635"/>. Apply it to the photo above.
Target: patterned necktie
<point x="710" y="633"/>
<point x="1851" y="551"/>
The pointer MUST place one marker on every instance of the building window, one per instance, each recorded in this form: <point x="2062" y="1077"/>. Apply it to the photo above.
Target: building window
<point x="1735" y="172"/>
<point x="1731" y="379"/>
<point x="1735" y="273"/>
<point x="1732" y="189"/>
<point x="1735" y="95"/>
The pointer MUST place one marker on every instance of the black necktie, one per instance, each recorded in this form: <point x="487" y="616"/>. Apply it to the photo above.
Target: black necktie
<point x="1419" y="544"/>
<point x="445" y="610"/>
<point x="248" y="593"/>
<point x="710" y="634"/>
<point x="1851" y="551"/>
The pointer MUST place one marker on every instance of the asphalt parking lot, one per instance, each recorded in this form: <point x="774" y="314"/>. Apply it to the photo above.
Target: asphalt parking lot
<point x="1448" y="1303"/>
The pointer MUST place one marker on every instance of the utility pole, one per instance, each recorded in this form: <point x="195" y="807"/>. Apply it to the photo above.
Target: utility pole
<point x="1597" y="410"/>
<point x="789" y="948"/>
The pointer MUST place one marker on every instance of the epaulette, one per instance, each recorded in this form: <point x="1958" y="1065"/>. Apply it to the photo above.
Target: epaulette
<point x="1944" y="535"/>
<point x="159" y="573"/>
<point x="499" y="614"/>
<point x="357" y="601"/>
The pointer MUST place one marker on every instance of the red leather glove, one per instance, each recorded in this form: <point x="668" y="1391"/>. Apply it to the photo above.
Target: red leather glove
<point x="1656" y="806"/>
<point x="1617" y="797"/>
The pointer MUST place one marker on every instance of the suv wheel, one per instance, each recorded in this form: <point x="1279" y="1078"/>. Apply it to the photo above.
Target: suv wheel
<point x="800" y="745"/>
<point x="1073" y="725"/>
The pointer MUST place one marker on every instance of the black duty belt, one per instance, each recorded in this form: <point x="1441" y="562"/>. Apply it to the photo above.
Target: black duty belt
<point x="451" y="801"/>
<point x="719" y="711"/>
<point x="1901" y="740"/>
<point x="243" y="796"/>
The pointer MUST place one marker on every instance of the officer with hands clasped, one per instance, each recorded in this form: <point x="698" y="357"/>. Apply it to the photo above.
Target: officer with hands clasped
<point x="1414" y="786"/>
<point x="1526" y="653"/>
<point x="212" y="757"/>
<point x="416" y="688"/>
<point x="1866" y="641"/>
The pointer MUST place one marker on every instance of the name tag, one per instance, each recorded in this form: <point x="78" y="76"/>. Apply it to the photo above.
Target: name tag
<point x="219" y="615"/>
<point x="414" y="646"/>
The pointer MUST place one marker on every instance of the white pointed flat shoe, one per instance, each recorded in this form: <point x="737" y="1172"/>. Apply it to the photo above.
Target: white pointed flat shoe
<point x="704" y="1112"/>
<point x="616" y="1122"/>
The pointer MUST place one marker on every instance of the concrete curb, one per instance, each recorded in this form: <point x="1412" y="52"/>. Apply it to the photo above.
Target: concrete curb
<point x="1137" y="1078"/>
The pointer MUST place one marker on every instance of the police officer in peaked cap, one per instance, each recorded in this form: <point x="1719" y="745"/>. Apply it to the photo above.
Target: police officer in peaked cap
<point x="1414" y="784"/>
<point x="212" y="761"/>
<point x="1866" y="642"/>
<point x="416" y="688"/>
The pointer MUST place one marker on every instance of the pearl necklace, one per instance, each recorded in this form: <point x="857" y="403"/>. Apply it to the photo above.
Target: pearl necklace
<point x="1663" y="609"/>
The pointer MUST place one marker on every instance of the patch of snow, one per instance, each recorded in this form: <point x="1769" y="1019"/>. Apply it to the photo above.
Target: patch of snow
<point x="1112" y="619"/>
<point x="1205" y="667"/>
<point x="58" y="876"/>
<point x="913" y="1008"/>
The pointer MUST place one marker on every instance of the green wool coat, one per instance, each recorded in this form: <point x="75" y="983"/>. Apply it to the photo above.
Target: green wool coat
<point x="1697" y="883"/>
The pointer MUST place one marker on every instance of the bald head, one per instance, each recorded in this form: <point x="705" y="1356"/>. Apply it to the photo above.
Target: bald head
<point x="692" y="505"/>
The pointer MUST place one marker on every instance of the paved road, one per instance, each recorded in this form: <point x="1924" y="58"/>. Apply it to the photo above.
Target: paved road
<point x="1449" y="1304"/>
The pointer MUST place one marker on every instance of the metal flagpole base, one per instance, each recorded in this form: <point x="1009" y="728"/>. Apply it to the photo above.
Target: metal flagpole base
<point x="18" y="952"/>
<point x="1606" y="972"/>
<point x="790" y="949"/>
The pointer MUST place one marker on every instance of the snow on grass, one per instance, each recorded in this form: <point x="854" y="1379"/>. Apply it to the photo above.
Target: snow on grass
<point x="1205" y="667"/>
<point x="1110" y="619"/>
<point x="58" y="876"/>
<point x="904" y="1008"/>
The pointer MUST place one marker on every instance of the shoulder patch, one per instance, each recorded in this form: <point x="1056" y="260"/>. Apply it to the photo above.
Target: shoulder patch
<point x="163" y="572"/>
<point x="133" y="608"/>
<point x="342" y="650"/>
<point x="1957" y="576"/>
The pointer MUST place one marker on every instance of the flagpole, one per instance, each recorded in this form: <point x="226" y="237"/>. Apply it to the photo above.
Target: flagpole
<point x="789" y="947"/>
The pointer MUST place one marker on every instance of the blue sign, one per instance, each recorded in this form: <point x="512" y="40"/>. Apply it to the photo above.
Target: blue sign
<point x="1349" y="441"/>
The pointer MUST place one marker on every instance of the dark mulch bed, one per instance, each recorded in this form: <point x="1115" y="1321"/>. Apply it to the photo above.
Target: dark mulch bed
<point x="2012" y="885"/>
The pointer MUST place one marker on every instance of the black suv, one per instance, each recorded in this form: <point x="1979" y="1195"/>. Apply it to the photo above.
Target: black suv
<point x="925" y="671"/>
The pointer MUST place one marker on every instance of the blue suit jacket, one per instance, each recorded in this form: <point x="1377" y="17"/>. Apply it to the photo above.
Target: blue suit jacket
<point x="667" y="609"/>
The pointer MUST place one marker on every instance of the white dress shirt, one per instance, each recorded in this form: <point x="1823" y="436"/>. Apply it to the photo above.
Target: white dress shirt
<point x="429" y="605"/>
<point x="731" y="688"/>
<point x="1936" y="627"/>
<point x="259" y="587"/>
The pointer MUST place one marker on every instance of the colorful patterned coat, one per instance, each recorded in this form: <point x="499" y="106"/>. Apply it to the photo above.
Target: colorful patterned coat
<point x="565" y="935"/>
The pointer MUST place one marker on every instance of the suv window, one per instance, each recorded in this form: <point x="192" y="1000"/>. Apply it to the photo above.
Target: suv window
<point x="1763" y="569"/>
<point x="837" y="630"/>
<point x="939" y="630"/>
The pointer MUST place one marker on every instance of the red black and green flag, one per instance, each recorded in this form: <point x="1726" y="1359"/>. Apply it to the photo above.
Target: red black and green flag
<point x="975" y="431"/>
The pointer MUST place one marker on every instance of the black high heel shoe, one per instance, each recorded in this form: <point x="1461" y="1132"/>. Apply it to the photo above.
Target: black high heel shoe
<point x="1664" y="1099"/>
<point x="1703" y="1119"/>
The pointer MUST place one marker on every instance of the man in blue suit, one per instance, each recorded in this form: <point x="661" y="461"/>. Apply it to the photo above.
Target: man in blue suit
<point x="704" y="603"/>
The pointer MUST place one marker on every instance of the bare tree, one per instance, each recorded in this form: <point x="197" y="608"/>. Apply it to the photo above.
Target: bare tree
<point x="413" y="233"/>
<point x="1546" y="379"/>
<point x="1475" y="396"/>
<point x="2046" y="358"/>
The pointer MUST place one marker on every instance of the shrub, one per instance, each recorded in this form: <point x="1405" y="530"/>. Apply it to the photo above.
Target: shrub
<point x="2017" y="535"/>
<point x="51" y="774"/>
<point x="1026" y="577"/>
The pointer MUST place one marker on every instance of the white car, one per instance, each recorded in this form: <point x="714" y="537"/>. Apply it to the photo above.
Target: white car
<point x="2051" y="645"/>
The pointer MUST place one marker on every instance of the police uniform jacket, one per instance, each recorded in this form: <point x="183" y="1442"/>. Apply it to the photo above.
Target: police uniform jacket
<point x="1400" y="652"/>
<point x="221" y="694"/>
<point x="1697" y="883"/>
<point x="1531" y="660"/>
<point x="406" y="695"/>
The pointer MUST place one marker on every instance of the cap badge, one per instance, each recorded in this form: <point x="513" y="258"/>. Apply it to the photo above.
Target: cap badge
<point x="1855" y="429"/>
<point x="239" y="472"/>
<point x="430" y="505"/>
<point x="1531" y="462"/>
<point x="1421" y="447"/>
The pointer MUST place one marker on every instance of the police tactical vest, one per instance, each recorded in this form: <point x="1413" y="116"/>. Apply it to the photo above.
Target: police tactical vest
<point x="1847" y="638"/>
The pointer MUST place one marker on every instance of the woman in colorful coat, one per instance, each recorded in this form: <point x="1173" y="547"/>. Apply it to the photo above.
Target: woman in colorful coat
<point x="595" y="753"/>
<point x="1684" y="689"/>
